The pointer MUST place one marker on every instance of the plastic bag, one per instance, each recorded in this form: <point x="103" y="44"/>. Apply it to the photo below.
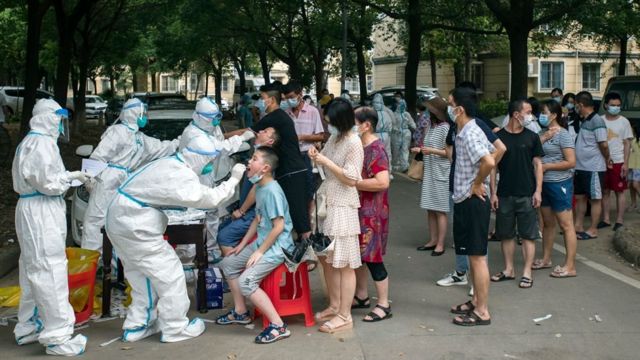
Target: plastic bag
<point x="10" y="296"/>
<point x="81" y="261"/>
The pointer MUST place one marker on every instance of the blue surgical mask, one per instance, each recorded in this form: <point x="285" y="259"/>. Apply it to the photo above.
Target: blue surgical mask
<point x="558" y="99"/>
<point x="262" y="107"/>
<point x="570" y="106"/>
<point x="333" y="130"/>
<point x="207" y="169"/>
<point x="284" y="105"/>
<point x="142" y="121"/>
<point x="544" y="120"/>
<point x="256" y="178"/>
<point x="613" y="110"/>
<point x="293" y="103"/>
<point x="450" y="112"/>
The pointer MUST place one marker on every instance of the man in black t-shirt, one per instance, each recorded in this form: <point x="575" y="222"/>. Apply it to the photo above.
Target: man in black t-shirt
<point x="291" y="171"/>
<point x="519" y="192"/>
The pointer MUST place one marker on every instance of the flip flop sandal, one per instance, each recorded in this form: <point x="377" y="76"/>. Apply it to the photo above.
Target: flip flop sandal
<point x="501" y="276"/>
<point x="361" y="303"/>
<point x="329" y="328"/>
<point x="375" y="317"/>
<point x="539" y="264"/>
<point x="561" y="273"/>
<point x="471" y="319"/>
<point x="525" y="283"/>
<point x="460" y="311"/>
<point x="583" y="235"/>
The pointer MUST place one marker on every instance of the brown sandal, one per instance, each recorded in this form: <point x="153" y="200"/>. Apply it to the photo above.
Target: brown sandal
<point x="460" y="311"/>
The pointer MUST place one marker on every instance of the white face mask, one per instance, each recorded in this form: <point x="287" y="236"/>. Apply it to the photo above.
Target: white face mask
<point x="333" y="130"/>
<point x="528" y="119"/>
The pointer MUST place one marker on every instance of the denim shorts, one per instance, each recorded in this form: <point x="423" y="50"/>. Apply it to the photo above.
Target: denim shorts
<point x="230" y="233"/>
<point x="634" y="175"/>
<point x="558" y="195"/>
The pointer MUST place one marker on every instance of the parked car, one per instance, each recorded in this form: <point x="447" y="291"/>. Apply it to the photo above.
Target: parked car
<point x="114" y="106"/>
<point x="629" y="89"/>
<point x="95" y="106"/>
<point x="388" y="93"/>
<point x="14" y="97"/>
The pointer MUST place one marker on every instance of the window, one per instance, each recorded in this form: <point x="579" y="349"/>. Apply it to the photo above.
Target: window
<point x="168" y="84"/>
<point x="551" y="75"/>
<point x="591" y="76"/>
<point x="225" y="84"/>
<point x="353" y="84"/>
<point x="369" y="83"/>
<point x="477" y="75"/>
<point x="400" y="74"/>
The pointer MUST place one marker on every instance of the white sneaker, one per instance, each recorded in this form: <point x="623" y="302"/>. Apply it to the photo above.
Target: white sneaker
<point x="452" y="279"/>
<point x="471" y="291"/>
<point x="75" y="346"/>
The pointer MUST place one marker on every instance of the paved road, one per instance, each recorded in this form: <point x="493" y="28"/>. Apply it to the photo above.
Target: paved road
<point x="421" y="326"/>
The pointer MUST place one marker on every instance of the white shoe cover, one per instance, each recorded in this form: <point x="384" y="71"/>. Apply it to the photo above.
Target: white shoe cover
<point x="28" y="339"/>
<point x="131" y="335"/>
<point x="194" y="329"/>
<point x="75" y="346"/>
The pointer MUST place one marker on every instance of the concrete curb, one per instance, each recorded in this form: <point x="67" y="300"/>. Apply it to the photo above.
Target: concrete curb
<point x="629" y="252"/>
<point x="9" y="256"/>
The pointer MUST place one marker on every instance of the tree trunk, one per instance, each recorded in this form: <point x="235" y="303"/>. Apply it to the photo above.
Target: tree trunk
<point x="458" y="71"/>
<point x="217" y="77"/>
<point x="414" y="23"/>
<point x="519" y="56"/>
<point x="74" y="92"/>
<point x="198" y="76"/>
<point x="112" y="85"/>
<point x="434" y="68"/>
<point x="264" y="64"/>
<point x="295" y="72"/>
<point x="154" y="82"/>
<point x="134" y="79"/>
<point x="467" y="57"/>
<point x="81" y="95"/>
<point x="63" y="65"/>
<point x="622" y="61"/>
<point x="95" y="85"/>
<point x="35" y="13"/>
<point x="239" y="65"/>
<point x="362" y="71"/>
<point x="206" y="83"/>
<point x="319" y="77"/>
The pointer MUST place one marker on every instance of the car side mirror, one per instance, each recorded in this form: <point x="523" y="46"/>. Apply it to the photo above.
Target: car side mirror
<point x="84" y="150"/>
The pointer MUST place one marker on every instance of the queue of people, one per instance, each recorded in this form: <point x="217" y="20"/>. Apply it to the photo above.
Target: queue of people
<point x="471" y="168"/>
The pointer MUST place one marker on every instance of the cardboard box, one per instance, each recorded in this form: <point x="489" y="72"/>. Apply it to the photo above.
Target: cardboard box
<point x="213" y="288"/>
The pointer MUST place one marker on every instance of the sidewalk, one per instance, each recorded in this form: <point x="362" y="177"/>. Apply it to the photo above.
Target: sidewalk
<point x="421" y="325"/>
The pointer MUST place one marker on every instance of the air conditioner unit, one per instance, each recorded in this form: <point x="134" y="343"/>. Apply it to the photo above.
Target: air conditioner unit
<point x="532" y="68"/>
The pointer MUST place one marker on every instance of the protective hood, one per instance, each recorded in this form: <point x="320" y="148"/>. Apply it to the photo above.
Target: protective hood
<point x="199" y="152"/>
<point x="402" y="106"/>
<point x="207" y="115"/>
<point x="131" y="111"/>
<point x="47" y="115"/>
<point x="377" y="99"/>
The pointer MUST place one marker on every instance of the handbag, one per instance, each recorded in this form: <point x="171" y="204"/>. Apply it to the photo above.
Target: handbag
<point x="416" y="169"/>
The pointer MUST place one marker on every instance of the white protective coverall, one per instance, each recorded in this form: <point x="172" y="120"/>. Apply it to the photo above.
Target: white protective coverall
<point x="385" y="123"/>
<point x="401" y="137"/>
<point x="135" y="223"/>
<point x="40" y="178"/>
<point x="206" y="120"/>
<point x="125" y="149"/>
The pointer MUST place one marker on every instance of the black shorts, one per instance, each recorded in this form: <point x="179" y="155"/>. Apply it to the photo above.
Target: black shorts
<point x="471" y="226"/>
<point x="589" y="183"/>
<point x="295" y="190"/>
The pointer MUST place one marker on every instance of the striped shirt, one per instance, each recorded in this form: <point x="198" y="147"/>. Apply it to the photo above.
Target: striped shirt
<point x="588" y="156"/>
<point x="553" y="153"/>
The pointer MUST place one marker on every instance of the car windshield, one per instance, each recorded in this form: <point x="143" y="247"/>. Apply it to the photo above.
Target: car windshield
<point x="165" y="129"/>
<point x="630" y="94"/>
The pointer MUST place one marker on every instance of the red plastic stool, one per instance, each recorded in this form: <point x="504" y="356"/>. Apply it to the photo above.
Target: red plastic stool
<point x="86" y="278"/>
<point x="293" y="297"/>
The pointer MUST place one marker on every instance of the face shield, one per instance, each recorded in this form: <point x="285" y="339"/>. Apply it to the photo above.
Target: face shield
<point x="63" y="127"/>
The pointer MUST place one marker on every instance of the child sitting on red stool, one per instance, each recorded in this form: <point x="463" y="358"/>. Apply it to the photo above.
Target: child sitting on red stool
<point x="246" y="266"/>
